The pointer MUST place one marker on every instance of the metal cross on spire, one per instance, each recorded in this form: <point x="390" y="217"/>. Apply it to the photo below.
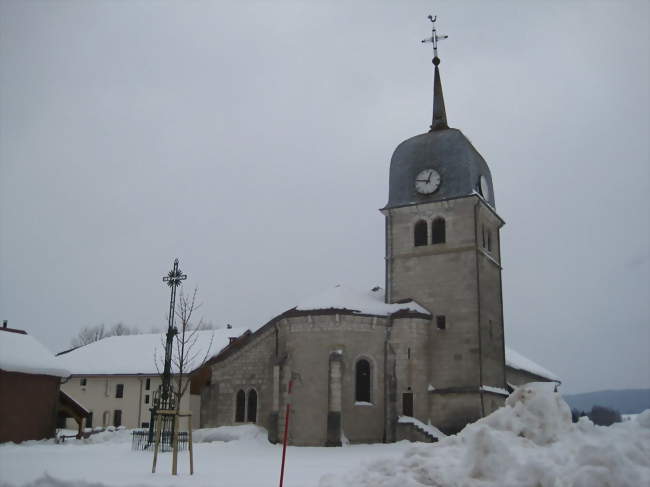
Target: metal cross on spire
<point x="434" y="38"/>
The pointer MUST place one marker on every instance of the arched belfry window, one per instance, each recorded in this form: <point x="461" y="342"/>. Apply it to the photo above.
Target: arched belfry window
<point x="362" y="392"/>
<point x="252" y="406"/>
<point x="420" y="233"/>
<point x="240" y="407"/>
<point x="438" y="231"/>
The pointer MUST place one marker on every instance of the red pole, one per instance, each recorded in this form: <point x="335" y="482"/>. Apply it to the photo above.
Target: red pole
<point x="286" y="433"/>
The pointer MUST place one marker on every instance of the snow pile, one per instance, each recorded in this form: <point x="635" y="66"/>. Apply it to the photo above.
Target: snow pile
<point x="363" y="302"/>
<point x="230" y="433"/>
<point x="530" y="442"/>
<point x="111" y="435"/>
<point x="20" y="352"/>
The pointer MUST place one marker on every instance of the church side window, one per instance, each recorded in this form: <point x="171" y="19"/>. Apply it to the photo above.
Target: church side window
<point x="489" y="240"/>
<point x="240" y="407"/>
<point x="252" y="406"/>
<point x="438" y="231"/>
<point x="362" y="392"/>
<point x="420" y="233"/>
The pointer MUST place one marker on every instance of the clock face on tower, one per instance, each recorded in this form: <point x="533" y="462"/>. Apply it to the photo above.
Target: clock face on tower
<point x="427" y="181"/>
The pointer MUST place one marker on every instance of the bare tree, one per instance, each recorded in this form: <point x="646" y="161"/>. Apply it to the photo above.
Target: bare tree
<point x="188" y="355"/>
<point x="90" y="334"/>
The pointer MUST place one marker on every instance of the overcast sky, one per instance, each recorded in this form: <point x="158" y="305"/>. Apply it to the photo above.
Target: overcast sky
<point x="253" y="140"/>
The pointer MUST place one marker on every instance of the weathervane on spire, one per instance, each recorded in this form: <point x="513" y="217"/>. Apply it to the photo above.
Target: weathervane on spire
<point x="434" y="39"/>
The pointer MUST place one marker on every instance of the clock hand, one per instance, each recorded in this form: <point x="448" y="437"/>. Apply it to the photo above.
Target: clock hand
<point x="429" y="178"/>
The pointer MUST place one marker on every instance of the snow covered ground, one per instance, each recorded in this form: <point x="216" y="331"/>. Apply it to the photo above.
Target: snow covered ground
<point x="531" y="442"/>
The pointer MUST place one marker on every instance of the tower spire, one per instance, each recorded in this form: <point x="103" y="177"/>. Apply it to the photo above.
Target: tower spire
<point x="439" y="119"/>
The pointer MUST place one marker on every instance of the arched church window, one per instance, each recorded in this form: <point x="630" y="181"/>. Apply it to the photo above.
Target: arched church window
<point x="420" y="233"/>
<point x="362" y="393"/>
<point x="240" y="407"/>
<point x="252" y="406"/>
<point x="438" y="231"/>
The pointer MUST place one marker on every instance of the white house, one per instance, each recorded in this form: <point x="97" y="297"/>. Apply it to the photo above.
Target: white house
<point x="115" y="378"/>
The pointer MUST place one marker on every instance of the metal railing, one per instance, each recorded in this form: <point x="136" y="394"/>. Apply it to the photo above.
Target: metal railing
<point x="140" y="440"/>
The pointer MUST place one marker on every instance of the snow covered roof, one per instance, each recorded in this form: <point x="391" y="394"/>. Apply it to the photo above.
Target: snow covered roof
<point x="20" y="352"/>
<point x="517" y="361"/>
<point x="138" y="354"/>
<point x="362" y="302"/>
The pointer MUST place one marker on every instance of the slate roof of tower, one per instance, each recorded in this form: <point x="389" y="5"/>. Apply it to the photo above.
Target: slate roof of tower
<point x="444" y="149"/>
<point x="447" y="151"/>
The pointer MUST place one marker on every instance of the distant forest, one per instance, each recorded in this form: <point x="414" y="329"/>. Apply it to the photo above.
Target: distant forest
<point x="625" y="401"/>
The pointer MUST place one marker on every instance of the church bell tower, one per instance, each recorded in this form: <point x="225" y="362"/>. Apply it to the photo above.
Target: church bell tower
<point x="443" y="250"/>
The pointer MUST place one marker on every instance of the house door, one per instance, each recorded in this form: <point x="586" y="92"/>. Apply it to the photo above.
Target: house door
<point x="407" y="404"/>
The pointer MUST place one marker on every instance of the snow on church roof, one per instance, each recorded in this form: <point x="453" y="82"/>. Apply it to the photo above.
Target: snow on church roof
<point x="362" y="302"/>
<point x="138" y="354"/>
<point x="515" y="360"/>
<point x="20" y="352"/>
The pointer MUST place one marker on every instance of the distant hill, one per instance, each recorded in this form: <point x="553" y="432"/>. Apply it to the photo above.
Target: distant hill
<point x="625" y="401"/>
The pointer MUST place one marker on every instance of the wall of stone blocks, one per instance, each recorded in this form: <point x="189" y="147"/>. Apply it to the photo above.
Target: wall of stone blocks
<point x="309" y="340"/>
<point x="251" y="367"/>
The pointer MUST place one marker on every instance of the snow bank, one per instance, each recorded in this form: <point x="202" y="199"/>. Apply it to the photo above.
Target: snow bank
<point x="230" y="433"/>
<point x="20" y="352"/>
<point x="530" y="442"/>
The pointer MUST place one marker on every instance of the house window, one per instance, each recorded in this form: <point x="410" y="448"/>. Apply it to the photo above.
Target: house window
<point x="117" y="418"/>
<point x="146" y="399"/>
<point x="89" y="420"/>
<point x="252" y="406"/>
<point x="362" y="392"/>
<point x="240" y="407"/>
<point x="145" y="425"/>
<point x="420" y="233"/>
<point x="441" y="322"/>
<point x="438" y="231"/>
<point x="83" y="381"/>
<point x="147" y="385"/>
<point x="119" y="390"/>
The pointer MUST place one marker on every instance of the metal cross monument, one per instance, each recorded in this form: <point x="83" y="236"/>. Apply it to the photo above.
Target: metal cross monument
<point x="173" y="280"/>
<point x="434" y="38"/>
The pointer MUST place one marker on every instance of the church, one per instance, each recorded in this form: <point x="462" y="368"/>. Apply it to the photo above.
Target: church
<point x="425" y="353"/>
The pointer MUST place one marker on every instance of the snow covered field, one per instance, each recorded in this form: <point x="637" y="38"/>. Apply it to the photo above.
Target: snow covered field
<point x="531" y="442"/>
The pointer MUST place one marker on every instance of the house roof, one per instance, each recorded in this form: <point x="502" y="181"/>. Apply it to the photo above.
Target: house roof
<point x="355" y="301"/>
<point x="515" y="360"/>
<point x="139" y="354"/>
<point x="20" y="352"/>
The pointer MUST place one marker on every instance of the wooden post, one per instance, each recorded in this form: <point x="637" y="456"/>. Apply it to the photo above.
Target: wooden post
<point x="286" y="433"/>
<point x="175" y="447"/>
<point x="189" y="439"/>
<point x="158" y="432"/>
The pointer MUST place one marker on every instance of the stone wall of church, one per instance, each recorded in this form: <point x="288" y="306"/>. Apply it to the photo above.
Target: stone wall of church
<point x="410" y="342"/>
<point x="249" y="368"/>
<point x="309" y="342"/>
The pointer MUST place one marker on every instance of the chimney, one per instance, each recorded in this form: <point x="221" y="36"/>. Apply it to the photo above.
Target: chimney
<point x="232" y="340"/>
<point x="229" y="326"/>
<point x="4" y="323"/>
